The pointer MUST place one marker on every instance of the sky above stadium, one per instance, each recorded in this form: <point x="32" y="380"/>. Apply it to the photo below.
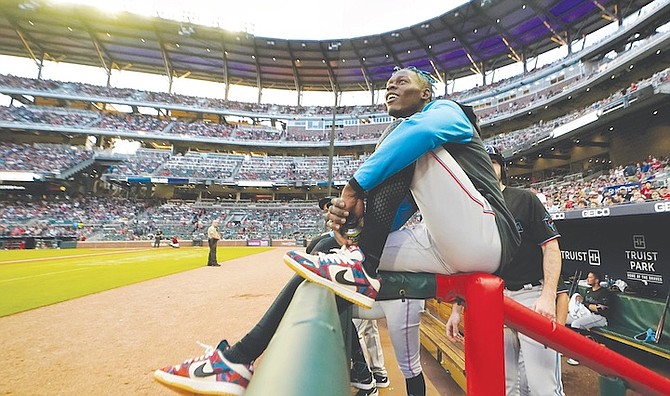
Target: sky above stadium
<point x="291" y="19"/>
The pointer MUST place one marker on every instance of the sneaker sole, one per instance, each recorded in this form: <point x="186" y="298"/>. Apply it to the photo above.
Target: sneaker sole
<point x="363" y="385"/>
<point x="199" y="387"/>
<point x="383" y="384"/>
<point x="347" y="294"/>
<point x="370" y="392"/>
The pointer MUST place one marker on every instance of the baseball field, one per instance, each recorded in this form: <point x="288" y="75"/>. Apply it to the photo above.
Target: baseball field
<point x="101" y="321"/>
<point x="34" y="278"/>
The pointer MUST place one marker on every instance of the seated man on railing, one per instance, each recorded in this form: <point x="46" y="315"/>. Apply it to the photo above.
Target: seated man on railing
<point x="433" y="161"/>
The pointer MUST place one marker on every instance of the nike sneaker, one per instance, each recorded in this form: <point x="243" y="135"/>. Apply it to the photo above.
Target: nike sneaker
<point x="209" y="374"/>
<point x="363" y="381"/>
<point x="340" y="271"/>
<point x="382" y="380"/>
<point x="368" y="392"/>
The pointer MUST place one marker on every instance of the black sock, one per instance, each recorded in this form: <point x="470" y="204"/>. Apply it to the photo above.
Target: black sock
<point x="416" y="386"/>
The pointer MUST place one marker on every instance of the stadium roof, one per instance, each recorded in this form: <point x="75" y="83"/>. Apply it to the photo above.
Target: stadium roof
<point x="479" y="36"/>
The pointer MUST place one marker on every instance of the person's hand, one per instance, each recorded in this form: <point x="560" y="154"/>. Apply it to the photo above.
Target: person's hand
<point x="453" y="333"/>
<point x="348" y="204"/>
<point x="545" y="305"/>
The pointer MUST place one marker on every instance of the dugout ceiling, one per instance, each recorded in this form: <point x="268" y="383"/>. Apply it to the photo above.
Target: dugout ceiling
<point x="477" y="37"/>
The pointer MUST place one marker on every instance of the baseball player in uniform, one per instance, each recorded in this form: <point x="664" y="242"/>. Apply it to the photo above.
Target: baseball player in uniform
<point x="433" y="161"/>
<point x="531" y="279"/>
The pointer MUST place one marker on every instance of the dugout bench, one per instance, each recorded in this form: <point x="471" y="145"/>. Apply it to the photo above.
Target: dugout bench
<point x="630" y="316"/>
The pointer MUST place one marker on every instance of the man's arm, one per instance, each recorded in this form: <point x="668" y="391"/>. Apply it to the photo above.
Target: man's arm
<point x="452" y="323"/>
<point x="551" y="264"/>
<point x="440" y="122"/>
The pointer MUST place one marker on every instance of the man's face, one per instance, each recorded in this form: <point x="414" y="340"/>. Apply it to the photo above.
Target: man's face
<point x="591" y="279"/>
<point x="406" y="94"/>
<point x="497" y="169"/>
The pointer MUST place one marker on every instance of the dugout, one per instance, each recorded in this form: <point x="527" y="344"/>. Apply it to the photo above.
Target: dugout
<point x="627" y="242"/>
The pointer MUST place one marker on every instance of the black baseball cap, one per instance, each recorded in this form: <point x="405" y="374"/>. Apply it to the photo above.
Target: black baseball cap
<point x="325" y="202"/>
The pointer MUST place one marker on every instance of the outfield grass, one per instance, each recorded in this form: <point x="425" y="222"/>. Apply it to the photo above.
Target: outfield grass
<point x="34" y="278"/>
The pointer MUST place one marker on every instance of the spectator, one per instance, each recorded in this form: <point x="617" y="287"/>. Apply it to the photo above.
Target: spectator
<point x="655" y="195"/>
<point x="594" y="200"/>
<point x="637" y="197"/>
<point x="646" y="190"/>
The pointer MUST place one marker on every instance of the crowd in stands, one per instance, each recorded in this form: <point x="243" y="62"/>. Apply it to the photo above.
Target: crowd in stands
<point x="91" y="218"/>
<point x="143" y="162"/>
<point x="235" y="167"/>
<point x="369" y="132"/>
<point x="624" y="184"/>
<point x="18" y="157"/>
<point x="499" y="104"/>
<point x="111" y="218"/>
<point x="53" y="158"/>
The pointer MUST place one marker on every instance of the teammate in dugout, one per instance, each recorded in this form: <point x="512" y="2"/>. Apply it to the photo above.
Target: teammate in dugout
<point x="531" y="279"/>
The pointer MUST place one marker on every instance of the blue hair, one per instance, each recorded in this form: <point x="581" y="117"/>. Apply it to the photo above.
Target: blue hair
<point x="421" y="73"/>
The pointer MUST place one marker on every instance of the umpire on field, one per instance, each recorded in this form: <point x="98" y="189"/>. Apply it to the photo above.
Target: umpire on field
<point x="531" y="279"/>
<point x="213" y="237"/>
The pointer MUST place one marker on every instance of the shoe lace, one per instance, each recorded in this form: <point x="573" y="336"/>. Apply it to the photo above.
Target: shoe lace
<point x="209" y="351"/>
<point x="344" y="252"/>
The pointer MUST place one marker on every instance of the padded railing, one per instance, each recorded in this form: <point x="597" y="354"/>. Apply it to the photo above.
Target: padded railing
<point x="306" y="355"/>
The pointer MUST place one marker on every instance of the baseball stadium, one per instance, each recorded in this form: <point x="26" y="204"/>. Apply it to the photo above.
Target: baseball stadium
<point x="487" y="183"/>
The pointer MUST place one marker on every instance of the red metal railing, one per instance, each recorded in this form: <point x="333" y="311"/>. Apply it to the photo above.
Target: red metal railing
<point x="488" y="309"/>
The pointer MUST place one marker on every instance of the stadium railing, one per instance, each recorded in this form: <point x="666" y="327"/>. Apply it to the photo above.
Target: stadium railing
<point x="309" y="331"/>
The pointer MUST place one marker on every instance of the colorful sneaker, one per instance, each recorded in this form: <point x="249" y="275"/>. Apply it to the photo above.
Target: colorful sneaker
<point x="209" y="374"/>
<point x="340" y="271"/>
<point x="382" y="380"/>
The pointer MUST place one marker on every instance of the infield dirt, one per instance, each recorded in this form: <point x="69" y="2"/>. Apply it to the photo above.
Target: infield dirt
<point x="111" y="342"/>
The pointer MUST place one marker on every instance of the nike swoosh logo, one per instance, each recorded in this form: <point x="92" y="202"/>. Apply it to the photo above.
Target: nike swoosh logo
<point x="199" y="372"/>
<point x="339" y="277"/>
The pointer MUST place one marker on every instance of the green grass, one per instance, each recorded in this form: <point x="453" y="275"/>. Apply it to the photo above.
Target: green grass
<point x="34" y="278"/>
